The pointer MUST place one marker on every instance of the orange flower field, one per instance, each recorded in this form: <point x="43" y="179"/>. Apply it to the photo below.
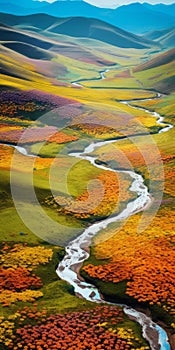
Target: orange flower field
<point x="17" y="134"/>
<point x="145" y="261"/>
<point x="102" y="199"/>
<point x="17" y="281"/>
<point x="85" y="330"/>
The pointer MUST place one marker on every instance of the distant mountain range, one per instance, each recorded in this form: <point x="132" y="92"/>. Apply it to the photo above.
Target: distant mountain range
<point x="135" y="17"/>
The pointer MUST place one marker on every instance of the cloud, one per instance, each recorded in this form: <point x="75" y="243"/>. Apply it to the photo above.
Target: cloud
<point x="116" y="3"/>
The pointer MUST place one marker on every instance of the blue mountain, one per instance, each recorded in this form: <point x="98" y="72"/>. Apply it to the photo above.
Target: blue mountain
<point x="27" y="4"/>
<point x="166" y="9"/>
<point x="21" y="7"/>
<point x="136" y="17"/>
<point x="141" y="18"/>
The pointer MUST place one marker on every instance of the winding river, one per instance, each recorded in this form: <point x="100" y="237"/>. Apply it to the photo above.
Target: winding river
<point x="77" y="250"/>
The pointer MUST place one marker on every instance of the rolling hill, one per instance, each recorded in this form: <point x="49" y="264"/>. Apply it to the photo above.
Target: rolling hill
<point x="25" y="43"/>
<point x="38" y="46"/>
<point x="99" y="30"/>
<point x="158" y="61"/>
<point x="29" y="50"/>
<point x="90" y="28"/>
<point x="165" y="37"/>
<point x="10" y="34"/>
<point x="158" y="73"/>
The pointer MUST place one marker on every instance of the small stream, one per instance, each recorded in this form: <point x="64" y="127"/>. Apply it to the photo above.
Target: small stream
<point x="160" y="119"/>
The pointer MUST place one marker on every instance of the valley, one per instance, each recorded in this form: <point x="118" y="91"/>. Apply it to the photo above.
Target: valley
<point x="87" y="168"/>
